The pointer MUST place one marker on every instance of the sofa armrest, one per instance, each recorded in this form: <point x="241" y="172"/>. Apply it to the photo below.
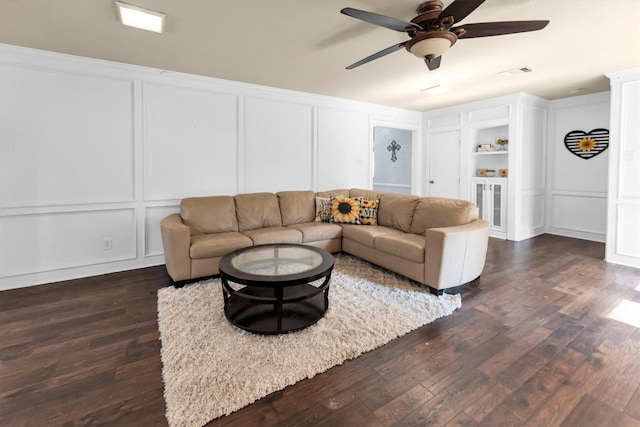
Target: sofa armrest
<point x="176" y="241"/>
<point x="455" y="255"/>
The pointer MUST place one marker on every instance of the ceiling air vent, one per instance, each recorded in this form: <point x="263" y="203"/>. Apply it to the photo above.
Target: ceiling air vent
<point x="515" y="71"/>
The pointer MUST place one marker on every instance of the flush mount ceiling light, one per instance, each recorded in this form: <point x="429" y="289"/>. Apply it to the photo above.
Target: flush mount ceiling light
<point x="436" y="90"/>
<point x="141" y="18"/>
<point x="515" y="71"/>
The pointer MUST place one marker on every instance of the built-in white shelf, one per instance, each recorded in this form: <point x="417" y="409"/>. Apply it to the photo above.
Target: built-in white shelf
<point x="488" y="153"/>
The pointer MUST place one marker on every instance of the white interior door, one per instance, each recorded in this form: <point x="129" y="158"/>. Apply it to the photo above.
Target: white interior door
<point x="444" y="164"/>
<point x="392" y="153"/>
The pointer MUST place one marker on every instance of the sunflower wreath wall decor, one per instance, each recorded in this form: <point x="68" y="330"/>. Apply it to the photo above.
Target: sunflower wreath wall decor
<point x="587" y="144"/>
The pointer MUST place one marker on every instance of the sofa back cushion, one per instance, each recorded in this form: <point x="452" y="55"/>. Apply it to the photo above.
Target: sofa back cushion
<point x="365" y="194"/>
<point x="433" y="212"/>
<point x="257" y="210"/>
<point x="396" y="210"/>
<point x="297" y="206"/>
<point x="343" y="192"/>
<point x="214" y="214"/>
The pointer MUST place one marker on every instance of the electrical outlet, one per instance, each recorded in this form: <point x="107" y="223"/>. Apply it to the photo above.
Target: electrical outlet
<point x="107" y="244"/>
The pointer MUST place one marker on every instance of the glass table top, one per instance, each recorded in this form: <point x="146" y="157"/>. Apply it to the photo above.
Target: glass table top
<point x="277" y="260"/>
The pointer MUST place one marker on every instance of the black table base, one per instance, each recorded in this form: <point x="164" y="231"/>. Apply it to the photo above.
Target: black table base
<point x="275" y="310"/>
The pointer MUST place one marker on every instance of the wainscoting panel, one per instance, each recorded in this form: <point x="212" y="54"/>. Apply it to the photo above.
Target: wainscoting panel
<point x="623" y="204"/>
<point x="570" y="172"/>
<point x="629" y="149"/>
<point x="628" y="242"/>
<point x="579" y="215"/>
<point x="577" y="188"/>
<point x="445" y="121"/>
<point x="492" y="113"/>
<point x="190" y="142"/>
<point x="344" y="149"/>
<point x="278" y="145"/>
<point x="93" y="154"/>
<point x="152" y="238"/>
<point x="67" y="138"/>
<point x="533" y="149"/>
<point x="59" y="240"/>
<point x="532" y="217"/>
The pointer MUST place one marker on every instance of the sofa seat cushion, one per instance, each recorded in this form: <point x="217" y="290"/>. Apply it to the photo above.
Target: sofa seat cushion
<point x="406" y="246"/>
<point x="263" y="236"/>
<point x="318" y="231"/>
<point x="366" y="234"/>
<point x="217" y="244"/>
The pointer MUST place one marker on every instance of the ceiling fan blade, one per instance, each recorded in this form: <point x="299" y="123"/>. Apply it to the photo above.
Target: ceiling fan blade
<point x="377" y="55"/>
<point x="380" y="20"/>
<point x="434" y="63"/>
<point x="460" y="9"/>
<point x="487" y="29"/>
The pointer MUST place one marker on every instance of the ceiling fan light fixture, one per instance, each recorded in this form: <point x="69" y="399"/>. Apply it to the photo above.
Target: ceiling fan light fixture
<point x="431" y="44"/>
<point x="138" y="17"/>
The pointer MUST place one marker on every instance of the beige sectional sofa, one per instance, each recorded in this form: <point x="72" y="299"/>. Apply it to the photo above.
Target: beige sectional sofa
<point x="435" y="241"/>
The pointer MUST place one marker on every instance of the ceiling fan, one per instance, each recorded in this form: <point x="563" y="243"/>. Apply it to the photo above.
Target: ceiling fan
<point x="432" y="32"/>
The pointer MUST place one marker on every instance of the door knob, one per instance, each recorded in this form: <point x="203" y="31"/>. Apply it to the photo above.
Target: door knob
<point x="431" y="181"/>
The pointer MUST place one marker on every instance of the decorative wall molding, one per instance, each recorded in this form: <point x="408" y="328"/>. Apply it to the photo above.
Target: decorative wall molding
<point x="623" y="202"/>
<point x="576" y="189"/>
<point x="166" y="136"/>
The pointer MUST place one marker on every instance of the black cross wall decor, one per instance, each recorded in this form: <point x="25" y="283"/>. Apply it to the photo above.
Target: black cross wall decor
<point x="393" y="147"/>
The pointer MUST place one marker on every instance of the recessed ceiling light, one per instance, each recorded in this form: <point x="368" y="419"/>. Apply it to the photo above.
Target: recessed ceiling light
<point x="141" y="18"/>
<point x="576" y="90"/>
<point x="436" y="90"/>
<point x="515" y="71"/>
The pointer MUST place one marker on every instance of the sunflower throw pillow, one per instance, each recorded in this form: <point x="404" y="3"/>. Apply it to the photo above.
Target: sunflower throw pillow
<point x="345" y="210"/>
<point x="369" y="212"/>
<point x="323" y="209"/>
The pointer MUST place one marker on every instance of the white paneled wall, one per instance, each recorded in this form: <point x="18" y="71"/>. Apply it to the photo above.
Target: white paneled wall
<point x="345" y="149"/>
<point x="93" y="154"/>
<point x="623" y="201"/>
<point x="577" y="188"/>
<point x="280" y="156"/>
<point x="57" y="147"/>
<point x="59" y="240"/>
<point x="190" y="141"/>
<point x="531" y="196"/>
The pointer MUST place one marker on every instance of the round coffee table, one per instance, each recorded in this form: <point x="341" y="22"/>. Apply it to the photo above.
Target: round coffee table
<point x="276" y="288"/>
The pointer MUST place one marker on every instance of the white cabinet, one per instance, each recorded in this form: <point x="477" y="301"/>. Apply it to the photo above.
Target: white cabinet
<point x="514" y="172"/>
<point x="490" y="194"/>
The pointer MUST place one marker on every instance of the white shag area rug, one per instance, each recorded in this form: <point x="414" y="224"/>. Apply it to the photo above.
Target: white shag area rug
<point x="211" y="368"/>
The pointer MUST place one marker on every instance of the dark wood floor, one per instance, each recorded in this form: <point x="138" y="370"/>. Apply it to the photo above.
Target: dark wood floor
<point x="531" y="345"/>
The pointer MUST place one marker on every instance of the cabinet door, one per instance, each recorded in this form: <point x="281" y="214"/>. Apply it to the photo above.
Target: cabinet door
<point x="498" y="196"/>
<point x="478" y="197"/>
<point x="490" y="196"/>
